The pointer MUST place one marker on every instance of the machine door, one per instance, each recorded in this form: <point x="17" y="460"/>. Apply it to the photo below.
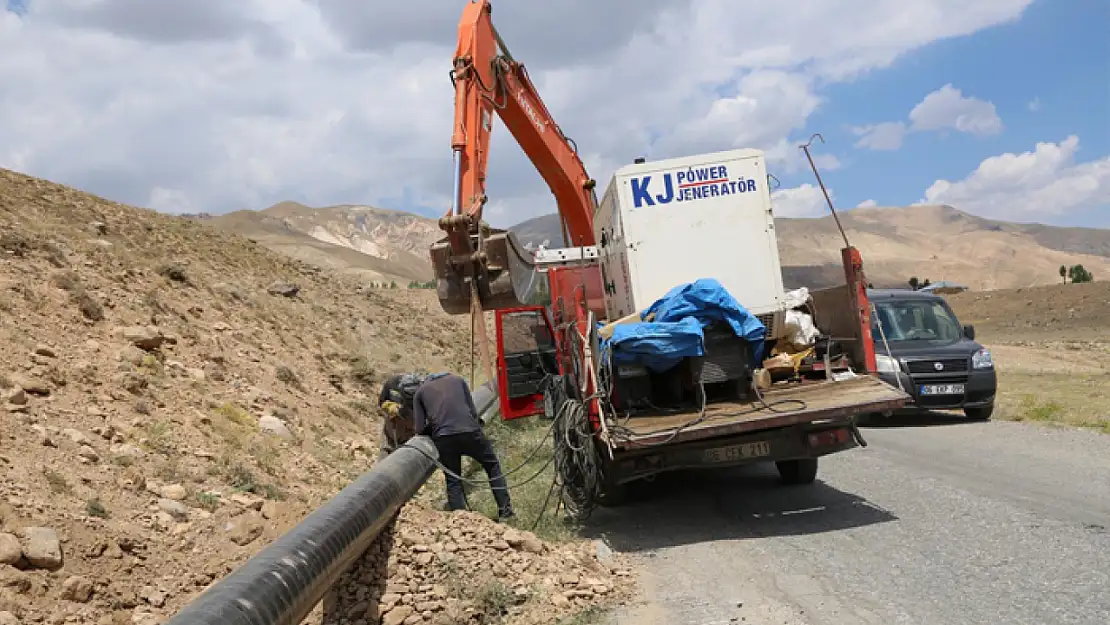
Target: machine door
<point x="526" y="359"/>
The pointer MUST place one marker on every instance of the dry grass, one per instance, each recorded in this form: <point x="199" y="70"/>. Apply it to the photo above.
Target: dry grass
<point x="592" y="615"/>
<point x="525" y="449"/>
<point x="1051" y="346"/>
<point x="1057" y="399"/>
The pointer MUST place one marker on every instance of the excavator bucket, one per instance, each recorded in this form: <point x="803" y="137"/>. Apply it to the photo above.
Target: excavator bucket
<point x="506" y="279"/>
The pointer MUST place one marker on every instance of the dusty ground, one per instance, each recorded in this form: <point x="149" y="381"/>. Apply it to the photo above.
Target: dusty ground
<point x="172" y="398"/>
<point x="1052" y="350"/>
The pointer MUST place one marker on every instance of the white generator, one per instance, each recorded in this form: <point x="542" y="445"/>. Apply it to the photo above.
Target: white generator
<point x="666" y="223"/>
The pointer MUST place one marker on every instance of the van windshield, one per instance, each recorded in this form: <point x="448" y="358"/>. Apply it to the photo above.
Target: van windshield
<point x="915" y="320"/>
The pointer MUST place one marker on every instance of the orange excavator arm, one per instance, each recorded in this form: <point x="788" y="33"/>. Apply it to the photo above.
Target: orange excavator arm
<point x="477" y="267"/>
<point x="488" y="80"/>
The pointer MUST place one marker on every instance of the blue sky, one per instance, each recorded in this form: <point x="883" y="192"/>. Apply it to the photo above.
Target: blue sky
<point x="230" y="105"/>
<point x="1057" y="54"/>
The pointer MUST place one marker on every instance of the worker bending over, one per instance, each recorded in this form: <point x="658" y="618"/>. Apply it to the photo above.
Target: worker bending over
<point x="444" y="410"/>
<point x="396" y="400"/>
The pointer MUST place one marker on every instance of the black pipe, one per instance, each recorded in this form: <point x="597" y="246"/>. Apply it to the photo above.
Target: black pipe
<point x="284" y="582"/>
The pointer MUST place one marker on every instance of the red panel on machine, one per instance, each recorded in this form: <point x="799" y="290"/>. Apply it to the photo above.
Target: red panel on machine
<point x="526" y="355"/>
<point x="531" y="342"/>
<point x="564" y="281"/>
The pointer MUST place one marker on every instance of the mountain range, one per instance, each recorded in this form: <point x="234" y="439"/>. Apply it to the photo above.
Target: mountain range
<point x="375" y="244"/>
<point x="934" y="242"/>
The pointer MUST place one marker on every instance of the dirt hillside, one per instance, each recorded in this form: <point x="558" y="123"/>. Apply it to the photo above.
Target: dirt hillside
<point x="935" y="242"/>
<point x="939" y="243"/>
<point x="1064" y="310"/>
<point x="173" y="397"/>
<point x="371" y="243"/>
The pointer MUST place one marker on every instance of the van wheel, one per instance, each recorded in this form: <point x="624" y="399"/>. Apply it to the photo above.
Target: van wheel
<point x="800" y="471"/>
<point x="982" y="413"/>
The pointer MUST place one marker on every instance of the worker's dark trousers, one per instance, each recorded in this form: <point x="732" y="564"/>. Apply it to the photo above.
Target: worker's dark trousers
<point x="474" y="445"/>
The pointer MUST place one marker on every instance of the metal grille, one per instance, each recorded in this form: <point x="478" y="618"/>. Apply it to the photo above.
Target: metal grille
<point x="768" y="320"/>
<point x="939" y="379"/>
<point x="727" y="357"/>
<point x="948" y="365"/>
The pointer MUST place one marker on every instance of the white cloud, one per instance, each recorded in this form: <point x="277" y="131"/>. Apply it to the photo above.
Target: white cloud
<point x="947" y="108"/>
<point x="1034" y="105"/>
<point x="226" y="105"/>
<point x="802" y="201"/>
<point x="1045" y="182"/>
<point x="884" y="136"/>
<point x="943" y="109"/>
<point x="867" y="204"/>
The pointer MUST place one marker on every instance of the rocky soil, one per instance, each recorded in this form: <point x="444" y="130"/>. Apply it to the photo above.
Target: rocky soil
<point x="462" y="569"/>
<point x="172" y="398"/>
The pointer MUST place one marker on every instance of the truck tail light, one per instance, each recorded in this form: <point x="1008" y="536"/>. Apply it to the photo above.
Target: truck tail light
<point x="829" y="438"/>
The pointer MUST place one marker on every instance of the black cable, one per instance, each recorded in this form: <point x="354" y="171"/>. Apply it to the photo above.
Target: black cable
<point x="764" y="405"/>
<point x="546" y="500"/>
<point x="576" y="459"/>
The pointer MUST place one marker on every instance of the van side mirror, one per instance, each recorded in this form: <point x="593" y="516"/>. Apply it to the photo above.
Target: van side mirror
<point x="969" y="332"/>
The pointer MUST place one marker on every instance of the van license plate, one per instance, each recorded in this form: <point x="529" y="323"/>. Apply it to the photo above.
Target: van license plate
<point x="942" y="389"/>
<point x="733" y="453"/>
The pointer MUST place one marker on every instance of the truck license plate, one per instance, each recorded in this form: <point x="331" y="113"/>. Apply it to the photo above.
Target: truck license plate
<point x="942" y="389"/>
<point x="733" y="453"/>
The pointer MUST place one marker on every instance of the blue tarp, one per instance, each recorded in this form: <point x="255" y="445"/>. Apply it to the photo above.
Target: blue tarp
<point x="676" y="330"/>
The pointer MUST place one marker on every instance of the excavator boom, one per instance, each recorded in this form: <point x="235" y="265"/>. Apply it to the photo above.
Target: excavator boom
<point x="474" y="258"/>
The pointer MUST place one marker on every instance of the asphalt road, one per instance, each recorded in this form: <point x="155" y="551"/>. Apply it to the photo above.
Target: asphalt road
<point x="952" y="523"/>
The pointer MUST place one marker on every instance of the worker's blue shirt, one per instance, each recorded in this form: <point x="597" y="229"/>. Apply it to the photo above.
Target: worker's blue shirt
<point x="443" y="406"/>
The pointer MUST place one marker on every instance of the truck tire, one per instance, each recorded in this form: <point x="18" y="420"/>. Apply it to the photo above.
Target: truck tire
<point x="800" y="471"/>
<point x="983" y="413"/>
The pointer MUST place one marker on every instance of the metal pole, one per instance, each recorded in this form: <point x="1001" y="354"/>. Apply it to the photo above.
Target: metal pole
<point x="813" y="166"/>
<point x="456" y="188"/>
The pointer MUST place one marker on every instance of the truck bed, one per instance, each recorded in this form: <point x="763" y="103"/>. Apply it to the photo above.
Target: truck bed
<point x="821" y="400"/>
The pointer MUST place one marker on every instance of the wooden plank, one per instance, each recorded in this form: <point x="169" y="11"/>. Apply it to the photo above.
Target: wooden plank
<point x="788" y="406"/>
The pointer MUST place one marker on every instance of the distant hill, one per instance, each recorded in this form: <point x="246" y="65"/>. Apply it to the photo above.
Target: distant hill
<point x="931" y="241"/>
<point x="935" y="242"/>
<point x="373" y="243"/>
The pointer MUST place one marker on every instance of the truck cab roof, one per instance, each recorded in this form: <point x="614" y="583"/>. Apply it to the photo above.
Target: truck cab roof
<point x="879" y="294"/>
